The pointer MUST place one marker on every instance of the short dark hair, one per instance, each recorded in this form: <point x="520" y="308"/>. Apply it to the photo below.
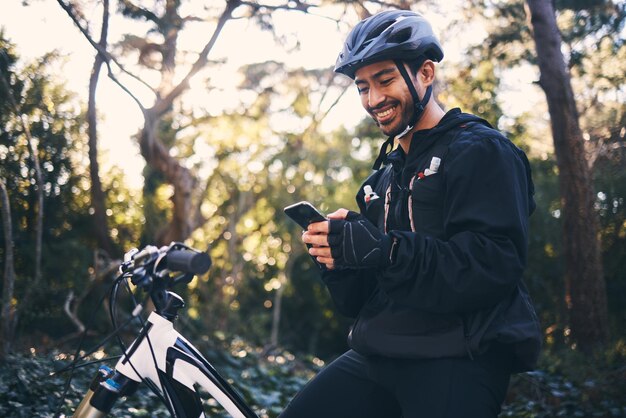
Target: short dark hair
<point x="416" y="63"/>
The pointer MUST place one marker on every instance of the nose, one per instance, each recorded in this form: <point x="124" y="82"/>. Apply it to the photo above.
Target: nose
<point x="375" y="98"/>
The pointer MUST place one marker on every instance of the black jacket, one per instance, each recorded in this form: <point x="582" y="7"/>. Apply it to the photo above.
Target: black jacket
<point x="458" y="207"/>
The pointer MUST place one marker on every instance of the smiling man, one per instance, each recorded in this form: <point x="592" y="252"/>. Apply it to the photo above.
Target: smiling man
<point x="431" y="268"/>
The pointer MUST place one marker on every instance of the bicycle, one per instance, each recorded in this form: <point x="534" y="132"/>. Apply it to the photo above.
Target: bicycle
<point x="159" y="356"/>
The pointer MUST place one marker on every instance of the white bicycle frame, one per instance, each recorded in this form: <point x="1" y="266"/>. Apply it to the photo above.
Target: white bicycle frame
<point x="173" y="366"/>
<point x="160" y="357"/>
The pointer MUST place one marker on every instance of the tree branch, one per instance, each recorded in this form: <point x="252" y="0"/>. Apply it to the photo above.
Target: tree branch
<point x="103" y="266"/>
<point x="107" y="57"/>
<point x="163" y="105"/>
<point x="334" y="103"/>
<point x="71" y="313"/>
<point x="100" y="222"/>
<point x="131" y="9"/>
<point x="299" y="6"/>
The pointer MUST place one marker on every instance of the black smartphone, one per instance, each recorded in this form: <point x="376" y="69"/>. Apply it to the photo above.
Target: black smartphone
<point x="304" y="213"/>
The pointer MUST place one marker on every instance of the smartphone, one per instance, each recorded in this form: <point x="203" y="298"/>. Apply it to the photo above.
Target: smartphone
<point x="304" y="213"/>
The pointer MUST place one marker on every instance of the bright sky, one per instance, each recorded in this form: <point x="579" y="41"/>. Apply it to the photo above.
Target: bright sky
<point x="44" y="26"/>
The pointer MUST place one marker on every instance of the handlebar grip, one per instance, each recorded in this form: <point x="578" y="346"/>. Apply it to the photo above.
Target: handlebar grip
<point x="188" y="261"/>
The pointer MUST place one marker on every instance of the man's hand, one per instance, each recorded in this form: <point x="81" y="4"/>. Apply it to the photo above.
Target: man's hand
<point x="355" y="242"/>
<point x="317" y="235"/>
<point x="348" y="240"/>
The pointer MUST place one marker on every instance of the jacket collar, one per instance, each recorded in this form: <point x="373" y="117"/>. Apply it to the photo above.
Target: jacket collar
<point x="421" y="141"/>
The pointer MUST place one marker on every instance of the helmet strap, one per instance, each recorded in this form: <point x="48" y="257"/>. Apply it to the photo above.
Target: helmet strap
<point x="382" y="153"/>
<point x="419" y="106"/>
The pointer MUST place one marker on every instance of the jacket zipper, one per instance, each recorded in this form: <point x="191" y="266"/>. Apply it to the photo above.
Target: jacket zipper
<point x="467" y="339"/>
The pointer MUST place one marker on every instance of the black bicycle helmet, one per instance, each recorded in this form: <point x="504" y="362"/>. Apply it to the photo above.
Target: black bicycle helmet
<point x="390" y="35"/>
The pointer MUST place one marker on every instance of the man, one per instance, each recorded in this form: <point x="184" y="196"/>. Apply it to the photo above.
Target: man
<point x="431" y="268"/>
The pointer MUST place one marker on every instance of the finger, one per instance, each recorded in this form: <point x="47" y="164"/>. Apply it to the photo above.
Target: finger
<point x="315" y="239"/>
<point x="318" y="227"/>
<point x="338" y="214"/>
<point x="320" y="252"/>
<point x="326" y="260"/>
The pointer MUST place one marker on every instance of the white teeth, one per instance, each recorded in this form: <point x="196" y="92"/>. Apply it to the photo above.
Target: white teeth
<point x="385" y="113"/>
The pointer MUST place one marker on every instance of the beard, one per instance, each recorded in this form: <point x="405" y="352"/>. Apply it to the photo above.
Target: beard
<point x="395" y="128"/>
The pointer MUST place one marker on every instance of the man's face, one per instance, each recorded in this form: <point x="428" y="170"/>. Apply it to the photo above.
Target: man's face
<point x="385" y="96"/>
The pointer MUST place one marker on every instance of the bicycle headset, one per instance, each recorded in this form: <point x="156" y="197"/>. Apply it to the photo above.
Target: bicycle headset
<point x="397" y="35"/>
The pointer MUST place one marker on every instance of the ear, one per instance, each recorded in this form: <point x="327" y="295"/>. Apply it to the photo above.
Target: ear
<point x="426" y="73"/>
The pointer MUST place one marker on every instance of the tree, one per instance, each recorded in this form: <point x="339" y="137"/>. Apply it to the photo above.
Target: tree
<point x="267" y="154"/>
<point x="170" y="172"/>
<point x="33" y="153"/>
<point x="583" y="271"/>
<point x="593" y="46"/>
<point x="8" y="285"/>
<point x="159" y="51"/>
<point x="7" y="313"/>
<point x="47" y="117"/>
<point x="100" y="223"/>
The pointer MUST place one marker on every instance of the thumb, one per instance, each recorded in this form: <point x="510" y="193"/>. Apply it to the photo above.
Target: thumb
<point x="339" y="214"/>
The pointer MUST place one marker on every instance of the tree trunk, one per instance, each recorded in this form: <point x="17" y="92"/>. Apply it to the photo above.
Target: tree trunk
<point x="585" y="286"/>
<point x="9" y="275"/>
<point x="180" y="177"/>
<point x="153" y="148"/>
<point x="277" y="311"/>
<point x="100" y="222"/>
<point x="34" y="151"/>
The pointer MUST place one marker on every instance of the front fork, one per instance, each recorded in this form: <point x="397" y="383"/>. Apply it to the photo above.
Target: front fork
<point x="105" y="389"/>
<point x="109" y="385"/>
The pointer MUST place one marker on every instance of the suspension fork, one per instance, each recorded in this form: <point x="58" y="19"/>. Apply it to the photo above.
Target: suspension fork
<point x="105" y="389"/>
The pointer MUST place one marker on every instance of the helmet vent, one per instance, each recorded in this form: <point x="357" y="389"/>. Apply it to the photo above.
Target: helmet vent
<point x="388" y="35"/>
<point x="371" y="36"/>
<point x="400" y="36"/>
<point x="378" y="30"/>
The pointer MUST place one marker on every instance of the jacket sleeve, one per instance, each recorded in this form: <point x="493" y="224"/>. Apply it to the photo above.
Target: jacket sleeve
<point x="480" y="260"/>
<point x="349" y="289"/>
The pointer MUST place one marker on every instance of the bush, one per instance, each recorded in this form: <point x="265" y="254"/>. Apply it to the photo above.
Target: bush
<point x="566" y="385"/>
<point x="266" y="381"/>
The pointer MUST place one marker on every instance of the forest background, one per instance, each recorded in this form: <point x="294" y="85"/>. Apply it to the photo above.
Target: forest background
<point x="225" y="137"/>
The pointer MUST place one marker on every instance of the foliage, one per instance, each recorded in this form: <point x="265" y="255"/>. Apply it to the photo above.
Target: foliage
<point x="266" y="381"/>
<point x="610" y="181"/>
<point x="55" y="122"/>
<point x="259" y="158"/>
<point x="568" y="385"/>
<point x="565" y="385"/>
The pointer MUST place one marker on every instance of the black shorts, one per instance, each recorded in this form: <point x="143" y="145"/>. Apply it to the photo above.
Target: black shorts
<point x="355" y="386"/>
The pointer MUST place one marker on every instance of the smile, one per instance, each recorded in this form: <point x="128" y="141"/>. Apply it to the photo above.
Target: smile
<point x="381" y="116"/>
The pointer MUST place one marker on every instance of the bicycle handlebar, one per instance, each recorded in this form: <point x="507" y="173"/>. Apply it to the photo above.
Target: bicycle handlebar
<point x="152" y="263"/>
<point x="188" y="261"/>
